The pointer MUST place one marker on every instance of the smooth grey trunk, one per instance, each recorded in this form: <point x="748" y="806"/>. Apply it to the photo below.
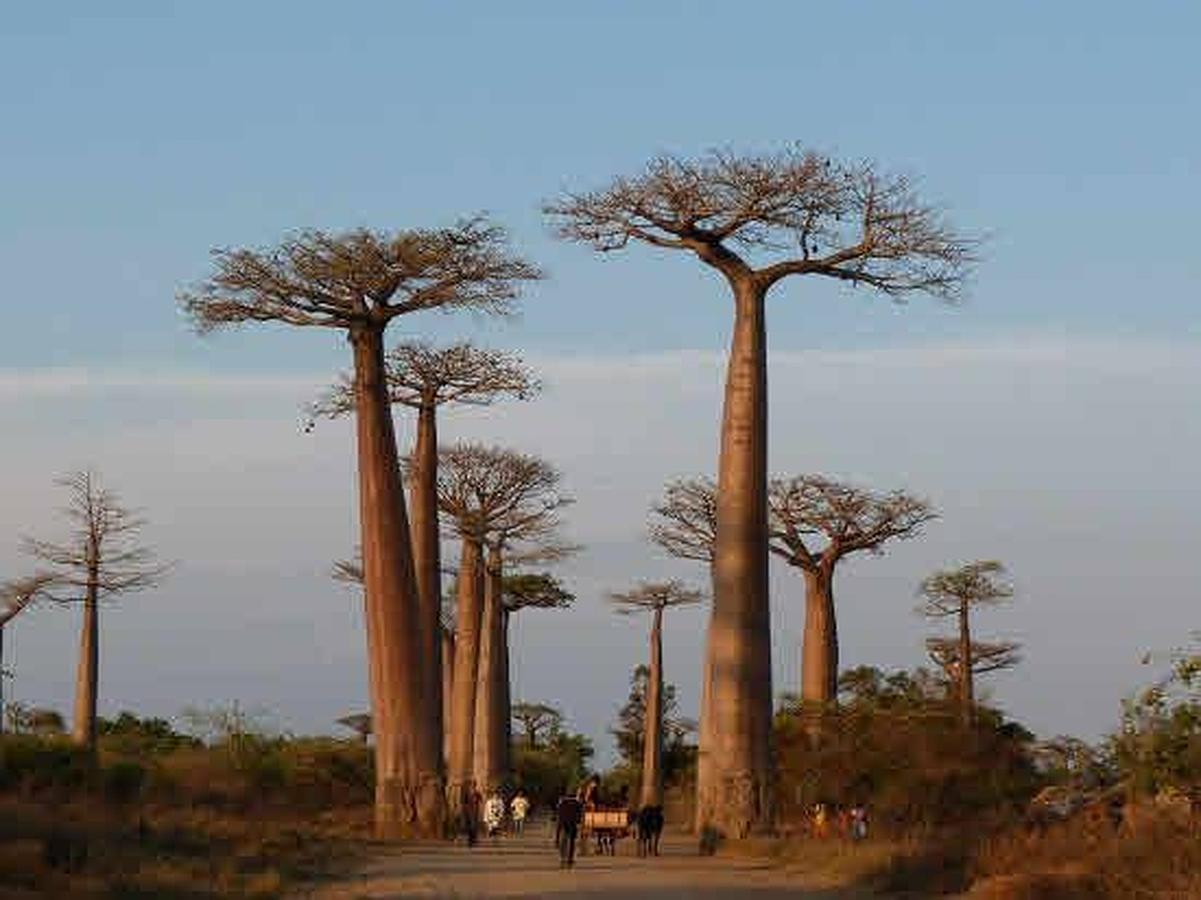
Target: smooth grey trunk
<point x="488" y="766"/>
<point x="967" y="699"/>
<point x="427" y="566"/>
<point x="468" y="623"/>
<point x="739" y="736"/>
<point x="652" y="745"/>
<point x="819" y="648"/>
<point x="87" y="676"/>
<point x="408" y="789"/>
<point x="504" y="704"/>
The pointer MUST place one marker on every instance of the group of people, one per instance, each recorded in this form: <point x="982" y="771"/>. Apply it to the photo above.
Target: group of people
<point x="491" y="813"/>
<point x="847" y="822"/>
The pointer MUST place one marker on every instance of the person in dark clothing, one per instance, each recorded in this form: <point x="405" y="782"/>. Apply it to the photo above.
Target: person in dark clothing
<point x="568" y="815"/>
<point x="650" y="828"/>
<point x="469" y="814"/>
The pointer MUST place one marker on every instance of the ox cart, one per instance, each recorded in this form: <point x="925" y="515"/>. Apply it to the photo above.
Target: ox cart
<point x="604" y="824"/>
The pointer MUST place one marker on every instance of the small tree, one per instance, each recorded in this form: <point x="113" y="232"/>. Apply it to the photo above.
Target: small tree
<point x="756" y="221"/>
<point x="100" y="560"/>
<point x="954" y="593"/>
<point x="654" y="597"/>
<point x="358" y="283"/>
<point x="423" y="378"/>
<point x="538" y="722"/>
<point x="815" y="523"/>
<point x="630" y="729"/>
<point x="15" y="597"/>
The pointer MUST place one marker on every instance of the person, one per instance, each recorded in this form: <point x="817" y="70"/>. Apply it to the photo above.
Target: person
<point x="821" y="821"/>
<point x="858" y="822"/>
<point x="494" y="813"/>
<point x="469" y="813"/>
<point x="591" y="796"/>
<point x="567" y="827"/>
<point x="519" y="808"/>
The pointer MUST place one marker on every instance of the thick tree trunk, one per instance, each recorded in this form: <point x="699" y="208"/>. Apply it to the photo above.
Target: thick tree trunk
<point x="87" y="677"/>
<point x="488" y="767"/>
<point x="468" y="624"/>
<point x="652" y="743"/>
<point x="819" y="648"/>
<point x="408" y="790"/>
<point x="448" y="679"/>
<point x="427" y="563"/>
<point x="504" y="703"/>
<point x="967" y="699"/>
<point x="739" y="738"/>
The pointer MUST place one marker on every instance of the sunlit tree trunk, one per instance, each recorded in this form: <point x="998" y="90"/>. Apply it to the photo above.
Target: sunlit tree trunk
<point x="87" y="677"/>
<point x="652" y="746"/>
<point x="461" y="756"/>
<point x="504" y="703"/>
<point x="967" y="698"/>
<point x="488" y="767"/>
<point x="819" y="648"/>
<point x="448" y="678"/>
<point x="423" y="503"/>
<point x="739" y="737"/>
<point x="408" y="790"/>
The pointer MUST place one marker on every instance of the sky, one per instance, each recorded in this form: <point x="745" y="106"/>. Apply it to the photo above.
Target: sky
<point x="1050" y="417"/>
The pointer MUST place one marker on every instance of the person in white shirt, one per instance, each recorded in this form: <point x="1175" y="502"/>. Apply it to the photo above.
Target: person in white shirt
<point x="519" y="808"/>
<point x="494" y="813"/>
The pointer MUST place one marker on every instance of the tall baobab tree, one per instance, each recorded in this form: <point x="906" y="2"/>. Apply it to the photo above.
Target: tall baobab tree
<point x="423" y="378"/>
<point x="15" y="597"/>
<point x="684" y="524"/>
<point x="846" y="222"/>
<point x="537" y="719"/>
<point x="953" y="593"/>
<point x="359" y="282"/>
<point x="654" y="597"/>
<point x="496" y="500"/>
<point x="100" y="560"/>
<point x="815" y="523"/>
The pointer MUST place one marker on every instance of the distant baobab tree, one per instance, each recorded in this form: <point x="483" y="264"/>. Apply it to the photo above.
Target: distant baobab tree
<point x="15" y="597"/>
<point x="423" y="377"/>
<point x="99" y="560"/>
<point x="359" y="723"/>
<point x="954" y="593"/>
<point x="358" y="282"/>
<point x="497" y="500"/>
<point x="538" y="720"/>
<point x="815" y="523"/>
<point x="815" y="217"/>
<point x="654" y="597"/>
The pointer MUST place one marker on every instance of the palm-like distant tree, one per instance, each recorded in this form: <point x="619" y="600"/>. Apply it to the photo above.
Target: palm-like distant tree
<point x="755" y="221"/>
<point x="359" y="282"/>
<point x="654" y="597"/>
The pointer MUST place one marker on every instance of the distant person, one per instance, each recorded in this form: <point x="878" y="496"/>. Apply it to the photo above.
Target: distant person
<point x="469" y="813"/>
<point x="519" y="808"/>
<point x="591" y="795"/>
<point x="568" y="815"/>
<point x="821" y="821"/>
<point x="858" y="822"/>
<point x="494" y="813"/>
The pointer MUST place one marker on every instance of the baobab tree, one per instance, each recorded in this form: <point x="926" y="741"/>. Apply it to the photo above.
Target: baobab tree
<point x="654" y="597"/>
<point x="846" y="222"/>
<point x="359" y="282"/>
<point x="537" y="719"/>
<point x="815" y="523"/>
<point x="496" y="501"/>
<point x="986" y="656"/>
<point x="423" y="378"/>
<point x="99" y="560"/>
<point x="15" y="597"/>
<point x="954" y="593"/>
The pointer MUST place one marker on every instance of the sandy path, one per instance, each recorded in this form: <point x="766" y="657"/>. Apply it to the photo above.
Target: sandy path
<point x="529" y="867"/>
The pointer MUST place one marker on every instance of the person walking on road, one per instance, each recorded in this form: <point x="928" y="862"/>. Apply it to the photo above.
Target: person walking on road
<point x="469" y="814"/>
<point x="494" y="813"/>
<point x="518" y="809"/>
<point x="567" y="828"/>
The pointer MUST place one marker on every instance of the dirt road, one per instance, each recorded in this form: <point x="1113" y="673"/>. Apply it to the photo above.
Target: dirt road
<point x="529" y="867"/>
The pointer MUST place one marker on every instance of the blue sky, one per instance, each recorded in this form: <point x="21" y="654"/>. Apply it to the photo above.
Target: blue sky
<point x="139" y="135"/>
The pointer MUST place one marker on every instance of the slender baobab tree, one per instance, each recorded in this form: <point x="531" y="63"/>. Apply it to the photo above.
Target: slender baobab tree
<point x="815" y="522"/>
<point x="654" y="597"/>
<point x="538" y="720"/>
<point x="100" y="560"/>
<point x="358" y="282"/>
<point x="496" y="500"/>
<point x="846" y="222"/>
<point x="987" y="656"/>
<point x="953" y="593"/>
<point x="684" y="523"/>
<point x="423" y="377"/>
<point x="15" y="597"/>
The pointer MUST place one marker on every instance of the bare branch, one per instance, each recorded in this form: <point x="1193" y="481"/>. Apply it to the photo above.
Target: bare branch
<point x="360" y="277"/>
<point x="655" y="595"/>
<point x="948" y="592"/>
<point x="986" y="657"/>
<point x="19" y="594"/>
<point x="685" y="523"/>
<point x="539" y="590"/>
